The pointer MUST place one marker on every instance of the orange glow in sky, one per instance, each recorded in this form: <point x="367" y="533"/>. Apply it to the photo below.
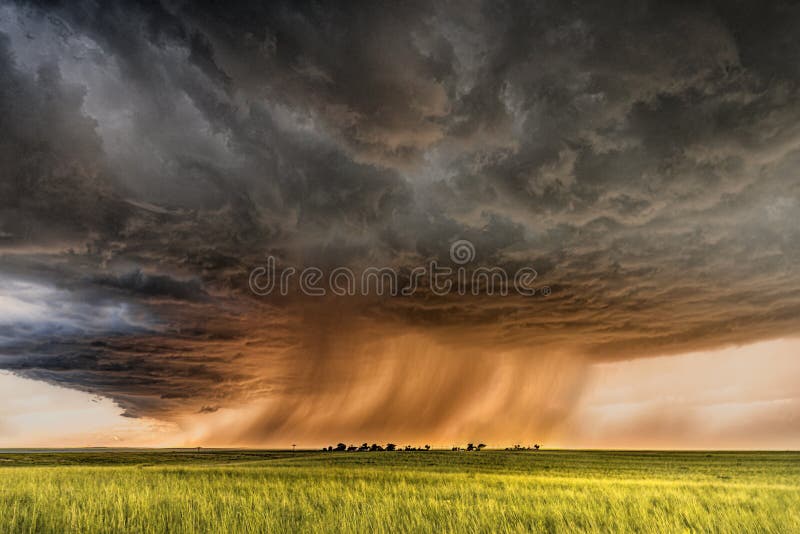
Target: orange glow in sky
<point x="738" y="397"/>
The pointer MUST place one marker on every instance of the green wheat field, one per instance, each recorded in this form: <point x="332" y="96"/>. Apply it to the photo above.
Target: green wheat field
<point x="436" y="491"/>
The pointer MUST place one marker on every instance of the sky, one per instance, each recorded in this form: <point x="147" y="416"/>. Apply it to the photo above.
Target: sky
<point x="640" y="158"/>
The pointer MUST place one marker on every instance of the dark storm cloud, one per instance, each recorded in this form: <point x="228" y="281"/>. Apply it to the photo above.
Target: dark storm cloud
<point x="153" y="285"/>
<point x="641" y="156"/>
<point x="51" y="158"/>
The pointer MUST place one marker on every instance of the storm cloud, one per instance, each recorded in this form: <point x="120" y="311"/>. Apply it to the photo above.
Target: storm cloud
<point x="642" y="157"/>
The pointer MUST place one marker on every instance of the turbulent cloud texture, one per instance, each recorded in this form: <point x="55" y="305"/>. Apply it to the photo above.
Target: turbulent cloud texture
<point x="642" y="157"/>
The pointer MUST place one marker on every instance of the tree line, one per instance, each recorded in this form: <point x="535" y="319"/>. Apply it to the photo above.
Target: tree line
<point x="365" y="447"/>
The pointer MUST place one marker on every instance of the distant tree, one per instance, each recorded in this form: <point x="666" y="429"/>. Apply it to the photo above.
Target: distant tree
<point x="391" y="446"/>
<point x="375" y="447"/>
<point x="363" y="447"/>
<point x="456" y="449"/>
<point x="352" y="448"/>
<point x="480" y="446"/>
<point x="341" y="447"/>
<point x="470" y="447"/>
<point x="536" y="447"/>
<point x="427" y="447"/>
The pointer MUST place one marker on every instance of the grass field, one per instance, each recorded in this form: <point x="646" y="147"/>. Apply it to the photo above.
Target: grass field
<point x="487" y="491"/>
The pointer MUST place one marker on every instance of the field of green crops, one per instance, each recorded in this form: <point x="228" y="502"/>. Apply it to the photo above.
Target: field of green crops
<point x="436" y="491"/>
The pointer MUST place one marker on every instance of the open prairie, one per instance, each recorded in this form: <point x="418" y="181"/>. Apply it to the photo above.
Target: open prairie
<point x="436" y="491"/>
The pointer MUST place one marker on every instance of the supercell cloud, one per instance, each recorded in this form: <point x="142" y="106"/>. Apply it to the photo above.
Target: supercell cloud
<point x="641" y="157"/>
